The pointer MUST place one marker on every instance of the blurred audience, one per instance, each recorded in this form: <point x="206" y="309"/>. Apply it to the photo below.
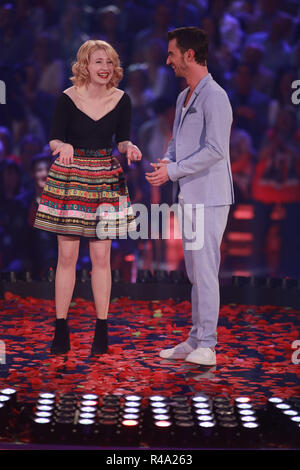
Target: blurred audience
<point x="254" y="54"/>
<point x="249" y="105"/>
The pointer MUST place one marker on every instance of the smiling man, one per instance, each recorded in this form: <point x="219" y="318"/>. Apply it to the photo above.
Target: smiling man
<point x="197" y="161"/>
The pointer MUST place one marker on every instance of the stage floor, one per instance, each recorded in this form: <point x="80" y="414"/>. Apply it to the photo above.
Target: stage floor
<point x="255" y="355"/>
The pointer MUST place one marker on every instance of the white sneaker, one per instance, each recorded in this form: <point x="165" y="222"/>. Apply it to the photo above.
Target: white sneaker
<point x="202" y="356"/>
<point x="181" y="351"/>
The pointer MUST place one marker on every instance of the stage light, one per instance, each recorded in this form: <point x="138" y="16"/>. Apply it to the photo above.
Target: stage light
<point x="159" y="398"/>
<point x="201" y="405"/>
<point x="163" y="424"/>
<point x="88" y="409"/>
<point x="43" y="414"/>
<point x="282" y="406"/>
<point x="296" y="419"/>
<point x="68" y="397"/>
<point x="89" y="396"/>
<point x="161" y="417"/>
<point x="183" y="417"/>
<point x="246" y="412"/>
<point x="161" y="410"/>
<point x="133" y="404"/>
<point x="290" y="413"/>
<point x="250" y="425"/>
<point x="179" y="399"/>
<point x="201" y="411"/>
<point x="44" y="407"/>
<point x="130" y="422"/>
<point x="130" y="416"/>
<point x="199" y="399"/>
<point x="45" y="401"/>
<point x="275" y="400"/>
<point x="11" y="393"/>
<point x="180" y="411"/>
<point x="157" y="404"/>
<point x="224" y="411"/>
<point x="205" y="418"/>
<point x="244" y="406"/>
<point x="89" y="403"/>
<point x="6" y="400"/>
<point x="85" y="415"/>
<point x="131" y="398"/>
<point x="247" y="418"/>
<point x="111" y="398"/>
<point x="40" y="420"/>
<point x="85" y="421"/>
<point x="108" y="426"/>
<point x="179" y="405"/>
<point x="47" y="395"/>
<point x="128" y="409"/>
<point x="207" y="424"/>
<point x="242" y="400"/>
<point x="183" y="426"/>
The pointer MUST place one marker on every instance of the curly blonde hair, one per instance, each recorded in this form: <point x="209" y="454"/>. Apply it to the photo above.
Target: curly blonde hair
<point x="79" y="68"/>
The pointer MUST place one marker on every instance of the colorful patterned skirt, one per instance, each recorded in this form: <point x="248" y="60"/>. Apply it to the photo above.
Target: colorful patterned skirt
<point x="87" y="198"/>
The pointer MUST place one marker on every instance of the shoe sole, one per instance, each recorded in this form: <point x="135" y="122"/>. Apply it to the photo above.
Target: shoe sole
<point x="202" y="363"/>
<point x="172" y="356"/>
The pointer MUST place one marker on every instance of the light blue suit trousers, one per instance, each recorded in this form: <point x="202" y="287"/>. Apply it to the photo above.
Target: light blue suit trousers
<point x="202" y="267"/>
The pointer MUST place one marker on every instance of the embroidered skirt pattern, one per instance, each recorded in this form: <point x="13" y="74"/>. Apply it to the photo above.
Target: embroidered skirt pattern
<point x="87" y="198"/>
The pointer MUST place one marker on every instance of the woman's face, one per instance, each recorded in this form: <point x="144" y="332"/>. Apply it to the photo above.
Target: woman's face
<point x="40" y="174"/>
<point x="101" y="68"/>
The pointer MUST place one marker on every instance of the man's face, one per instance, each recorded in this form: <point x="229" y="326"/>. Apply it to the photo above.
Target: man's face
<point x="176" y="59"/>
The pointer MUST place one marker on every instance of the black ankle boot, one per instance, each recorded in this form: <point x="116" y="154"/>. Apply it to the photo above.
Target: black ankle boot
<point x="61" y="341"/>
<point x="100" y="342"/>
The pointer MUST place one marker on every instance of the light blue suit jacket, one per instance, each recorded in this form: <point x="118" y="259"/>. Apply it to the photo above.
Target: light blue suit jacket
<point x="199" y="148"/>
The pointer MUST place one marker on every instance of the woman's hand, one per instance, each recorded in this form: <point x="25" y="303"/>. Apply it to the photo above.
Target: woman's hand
<point x="66" y="153"/>
<point x="133" y="153"/>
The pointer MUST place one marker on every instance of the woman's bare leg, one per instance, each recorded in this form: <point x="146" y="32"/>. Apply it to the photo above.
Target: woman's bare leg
<point x="68" y="249"/>
<point x="101" y="275"/>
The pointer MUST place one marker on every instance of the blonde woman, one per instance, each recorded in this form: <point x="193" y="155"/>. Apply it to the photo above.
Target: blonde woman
<point x="85" y="178"/>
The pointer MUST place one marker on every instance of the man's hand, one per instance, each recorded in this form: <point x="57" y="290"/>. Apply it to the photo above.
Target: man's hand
<point x="160" y="175"/>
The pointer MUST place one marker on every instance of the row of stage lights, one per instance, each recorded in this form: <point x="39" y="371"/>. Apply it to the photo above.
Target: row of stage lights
<point x="146" y="277"/>
<point x="265" y="282"/>
<point x="83" y="275"/>
<point x="178" y="421"/>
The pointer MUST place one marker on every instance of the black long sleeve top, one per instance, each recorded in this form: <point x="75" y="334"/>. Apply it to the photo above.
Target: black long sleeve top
<point x="73" y="126"/>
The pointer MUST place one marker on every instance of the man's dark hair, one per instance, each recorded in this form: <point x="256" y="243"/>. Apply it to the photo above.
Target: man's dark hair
<point x="194" y="38"/>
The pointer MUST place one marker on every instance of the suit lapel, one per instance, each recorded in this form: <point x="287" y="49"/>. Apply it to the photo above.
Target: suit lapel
<point x="195" y="93"/>
<point x="191" y="101"/>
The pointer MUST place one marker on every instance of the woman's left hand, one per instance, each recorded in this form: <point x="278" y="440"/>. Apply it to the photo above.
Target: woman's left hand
<point x="133" y="153"/>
